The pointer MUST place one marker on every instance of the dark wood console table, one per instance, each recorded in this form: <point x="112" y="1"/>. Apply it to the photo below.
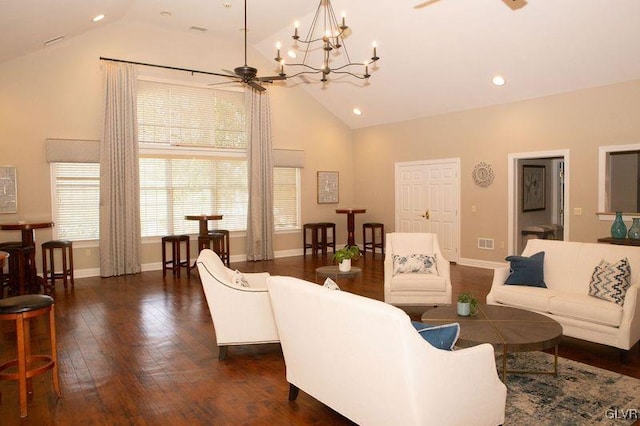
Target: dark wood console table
<point x="619" y="241"/>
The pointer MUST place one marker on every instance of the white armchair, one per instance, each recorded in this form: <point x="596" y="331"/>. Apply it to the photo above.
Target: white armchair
<point x="415" y="286"/>
<point x="241" y="311"/>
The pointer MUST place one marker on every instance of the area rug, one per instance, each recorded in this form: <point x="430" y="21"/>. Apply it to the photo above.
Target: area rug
<point x="580" y="395"/>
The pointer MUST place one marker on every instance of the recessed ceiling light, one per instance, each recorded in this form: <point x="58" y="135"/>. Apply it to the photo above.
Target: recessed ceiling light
<point x="98" y="18"/>
<point x="165" y="13"/>
<point x="357" y="111"/>
<point x="498" y="80"/>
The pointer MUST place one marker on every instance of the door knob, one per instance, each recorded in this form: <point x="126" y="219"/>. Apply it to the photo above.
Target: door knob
<point x="425" y="215"/>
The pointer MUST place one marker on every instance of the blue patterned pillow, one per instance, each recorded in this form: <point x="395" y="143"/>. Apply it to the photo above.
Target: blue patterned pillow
<point x="440" y="336"/>
<point x="610" y="282"/>
<point x="527" y="271"/>
<point x="414" y="264"/>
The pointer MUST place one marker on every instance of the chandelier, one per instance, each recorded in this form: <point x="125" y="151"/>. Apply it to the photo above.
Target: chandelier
<point x="327" y="42"/>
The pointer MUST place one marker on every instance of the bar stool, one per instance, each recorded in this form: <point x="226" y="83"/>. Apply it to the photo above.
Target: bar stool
<point x="218" y="241"/>
<point x="21" y="309"/>
<point x="325" y="243"/>
<point x="373" y="243"/>
<point x="316" y="242"/>
<point x="18" y="255"/>
<point x="176" y="262"/>
<point x="49" y="270"/>
<point x="4" y="280"/>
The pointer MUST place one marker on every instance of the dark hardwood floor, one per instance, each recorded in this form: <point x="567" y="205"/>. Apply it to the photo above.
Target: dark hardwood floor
<point x="140" y="350"/>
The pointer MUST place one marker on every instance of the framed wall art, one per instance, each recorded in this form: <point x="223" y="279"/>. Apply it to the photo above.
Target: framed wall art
<point x="328" y="188"/>
<point x="8" y="190"/>
<point x="533" y="188"/>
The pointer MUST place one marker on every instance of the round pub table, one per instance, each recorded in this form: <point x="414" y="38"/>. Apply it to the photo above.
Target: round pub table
<point x="335" y="273"/>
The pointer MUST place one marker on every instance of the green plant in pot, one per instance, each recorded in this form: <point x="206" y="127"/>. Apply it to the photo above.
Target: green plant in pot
<point x="467" y="304"/>
<point x="344" y="256"/>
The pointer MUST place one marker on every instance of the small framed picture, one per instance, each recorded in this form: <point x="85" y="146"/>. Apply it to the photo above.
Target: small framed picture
<point x="8" y="190"/>
<point x="328" y="187"/>
<point x="533" y="188"/>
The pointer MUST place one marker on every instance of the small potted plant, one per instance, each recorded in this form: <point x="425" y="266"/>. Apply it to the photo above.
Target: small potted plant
<point x="344" y="256"/>
<point x="467" y="304"/>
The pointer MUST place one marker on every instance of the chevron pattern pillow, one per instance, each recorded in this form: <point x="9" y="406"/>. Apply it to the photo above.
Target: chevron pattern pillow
<point x="611" y="281"/>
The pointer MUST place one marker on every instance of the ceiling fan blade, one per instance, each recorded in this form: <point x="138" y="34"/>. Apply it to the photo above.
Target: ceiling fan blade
<point x="256" y="86"/>
<point x="224" y="82"/>
<point x="425" y="4"/>
<point x="229" y="72"/>
<point x="272" y="78"/>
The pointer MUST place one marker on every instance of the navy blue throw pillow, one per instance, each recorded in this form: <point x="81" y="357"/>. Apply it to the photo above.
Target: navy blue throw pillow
<point x="527" y="271"/>
<point x="440" y="336"/>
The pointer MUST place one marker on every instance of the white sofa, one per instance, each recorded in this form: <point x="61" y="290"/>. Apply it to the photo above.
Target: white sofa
<point x="416" y="288"/>
<point x="568" y="267"/>
<point x="241" y="315"/>
<point x="364" y="359"/>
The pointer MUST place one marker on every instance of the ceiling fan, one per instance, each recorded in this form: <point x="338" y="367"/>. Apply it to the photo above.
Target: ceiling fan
<point x="247" y="74"/>
<point x="513" y="4"/>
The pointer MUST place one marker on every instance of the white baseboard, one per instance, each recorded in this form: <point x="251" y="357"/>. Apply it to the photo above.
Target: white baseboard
<point x="157" y="266"/>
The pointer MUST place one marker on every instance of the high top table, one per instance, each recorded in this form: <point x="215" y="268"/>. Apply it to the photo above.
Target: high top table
<point x="351" y="223"/>
<point x="27" y="229"/>
<point x="204" y="221"/>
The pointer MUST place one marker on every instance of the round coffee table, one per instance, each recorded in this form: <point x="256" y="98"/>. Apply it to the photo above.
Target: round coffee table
<point x="335" y="273"/>
<point x="508" y="329"/>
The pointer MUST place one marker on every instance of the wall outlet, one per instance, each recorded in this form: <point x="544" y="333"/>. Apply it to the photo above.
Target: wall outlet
<point x="577" y="211"/>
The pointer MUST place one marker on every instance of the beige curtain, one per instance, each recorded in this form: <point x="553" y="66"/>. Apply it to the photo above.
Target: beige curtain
<point x="119" y="184"/>
<point x="260" y="227"/>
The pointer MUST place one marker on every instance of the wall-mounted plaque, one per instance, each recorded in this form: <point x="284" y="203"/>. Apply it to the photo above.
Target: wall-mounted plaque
<point x="8" y="190"/>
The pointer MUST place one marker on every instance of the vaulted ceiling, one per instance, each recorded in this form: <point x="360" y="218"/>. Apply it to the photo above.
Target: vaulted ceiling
<point x="437" y="56"/>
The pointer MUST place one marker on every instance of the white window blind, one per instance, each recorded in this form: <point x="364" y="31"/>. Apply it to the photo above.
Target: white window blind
<point x="76" y="200"/>
<point x="170" y="114"/>
<point x="286" y="196"/>
<point x="171" y="188"/>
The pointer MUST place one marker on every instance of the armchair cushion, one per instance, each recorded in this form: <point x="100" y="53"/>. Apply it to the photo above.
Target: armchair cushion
<point x="527" y="271"/>
<point x="439" y="336"/>
<point x="611" y="281"/>
<point x="414" y="264"/>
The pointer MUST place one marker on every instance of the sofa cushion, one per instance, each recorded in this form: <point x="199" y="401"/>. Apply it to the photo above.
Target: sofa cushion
<point x="418" y="282"/>
<point x="414" y="264"/>
<point x="527" y="271"/>
<point x="532" y="298"/>
<point x="331" y="284"/>
<point x="586" y="308"/>
<point x="610" y="281"/>
<point x="440" y="336"/>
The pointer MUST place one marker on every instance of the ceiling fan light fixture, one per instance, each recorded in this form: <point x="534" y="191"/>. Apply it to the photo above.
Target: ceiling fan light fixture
<point x="326" y="39"/>
<point x="357" y="111"/>
<point x="498" y="80"/>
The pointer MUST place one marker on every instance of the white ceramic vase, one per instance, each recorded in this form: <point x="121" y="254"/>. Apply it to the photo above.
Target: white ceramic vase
<point x="464" y="309"/>
<point x="345" y="265"/>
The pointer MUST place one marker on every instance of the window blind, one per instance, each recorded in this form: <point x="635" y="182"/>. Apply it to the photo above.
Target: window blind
<point x="286" y="207"/>
<point x="76" y="201"/>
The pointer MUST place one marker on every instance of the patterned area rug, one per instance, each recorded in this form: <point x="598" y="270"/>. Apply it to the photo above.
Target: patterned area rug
<point x="580" y="395"/>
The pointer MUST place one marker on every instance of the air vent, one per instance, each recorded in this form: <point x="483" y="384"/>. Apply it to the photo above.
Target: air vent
<point x="53" y="40"/>
<point x="201" y="29"/>
<point x="485" y="243"/>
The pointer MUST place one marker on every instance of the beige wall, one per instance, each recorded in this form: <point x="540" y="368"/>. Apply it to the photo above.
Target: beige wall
<point x="579" y="122"/>
<point x="57" y="93"/>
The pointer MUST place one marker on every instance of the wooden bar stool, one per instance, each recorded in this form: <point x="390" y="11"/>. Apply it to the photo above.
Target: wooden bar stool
<point x="176" y="262"/>
<point x="325" y="242"/>
<point x="4" y="279"/>
<point x="21" y="309"/>
<point x="316" y="241"/>
<point x="48" y="268"/>
<point x="17" y="268"/>
<point x="373" y="242"/>
<point x="218" y="241"/>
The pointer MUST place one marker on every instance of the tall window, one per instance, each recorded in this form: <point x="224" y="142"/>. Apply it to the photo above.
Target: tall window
<point x="192" y="161"/>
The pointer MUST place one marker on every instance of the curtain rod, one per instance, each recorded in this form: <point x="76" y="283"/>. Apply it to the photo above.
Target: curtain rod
<point x="166" y="67"/>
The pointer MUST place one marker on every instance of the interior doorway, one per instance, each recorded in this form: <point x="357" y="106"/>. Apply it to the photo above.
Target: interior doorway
<point x="538" y="197"/>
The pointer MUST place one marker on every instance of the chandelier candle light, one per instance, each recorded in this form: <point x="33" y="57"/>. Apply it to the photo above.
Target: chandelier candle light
<point x="331" y="41"/>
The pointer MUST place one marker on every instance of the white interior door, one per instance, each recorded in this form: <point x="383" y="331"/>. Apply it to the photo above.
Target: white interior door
<point x="427" y="200"/>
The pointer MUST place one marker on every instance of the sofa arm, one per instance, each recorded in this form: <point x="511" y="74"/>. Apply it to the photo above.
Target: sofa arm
<point x="499" y="277"/>
<point x="630" y="318"/>
<point x="256" y="280"/>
